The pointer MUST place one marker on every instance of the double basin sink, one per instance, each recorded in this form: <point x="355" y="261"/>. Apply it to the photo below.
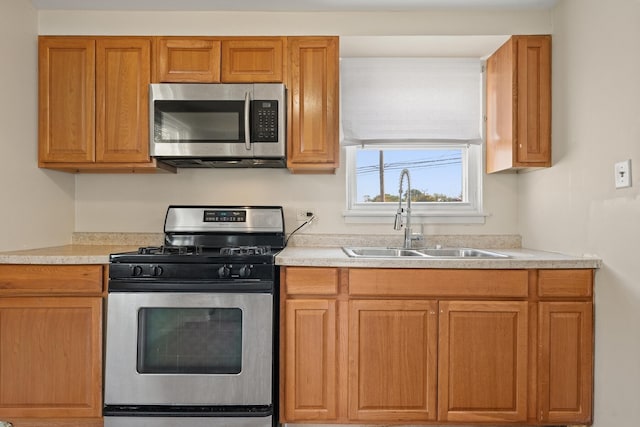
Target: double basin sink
<point x="439" y="253"/>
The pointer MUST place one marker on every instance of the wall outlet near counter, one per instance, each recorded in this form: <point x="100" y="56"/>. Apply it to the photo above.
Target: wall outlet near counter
<point x="623" y="174"/>
<point x="304" y="214"/>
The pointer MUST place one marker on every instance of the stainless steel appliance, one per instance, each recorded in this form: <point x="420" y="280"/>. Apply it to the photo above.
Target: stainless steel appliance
<point x="218" y="125"/>
<point x="191" y="325"/>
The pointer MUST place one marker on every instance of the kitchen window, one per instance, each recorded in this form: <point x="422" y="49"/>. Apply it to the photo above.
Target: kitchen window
<point x="420" y="114"/>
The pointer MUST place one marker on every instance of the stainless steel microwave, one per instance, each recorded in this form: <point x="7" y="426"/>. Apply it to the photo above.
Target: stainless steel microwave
<point x="218" y="125"/>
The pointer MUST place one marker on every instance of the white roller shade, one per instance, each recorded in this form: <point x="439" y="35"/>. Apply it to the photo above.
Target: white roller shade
<point x="411" y="99"/>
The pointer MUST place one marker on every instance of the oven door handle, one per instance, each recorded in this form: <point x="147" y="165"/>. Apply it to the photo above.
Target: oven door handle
<point x="247" y="129"/>
<point x="202" y="286"/>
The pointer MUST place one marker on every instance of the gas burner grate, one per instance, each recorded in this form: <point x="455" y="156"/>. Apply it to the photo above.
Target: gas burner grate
<point x="245" y="250"/>
<point x="170" y="250"/>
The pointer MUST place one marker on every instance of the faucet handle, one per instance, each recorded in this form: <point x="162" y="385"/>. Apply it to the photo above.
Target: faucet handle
<point x="418" y="237"/>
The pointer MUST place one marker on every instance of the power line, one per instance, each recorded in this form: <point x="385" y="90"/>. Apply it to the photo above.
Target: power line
<point x="412" y="164"/>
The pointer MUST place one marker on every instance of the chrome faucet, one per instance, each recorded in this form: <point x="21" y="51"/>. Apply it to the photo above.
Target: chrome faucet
<point x="408" y="235"/>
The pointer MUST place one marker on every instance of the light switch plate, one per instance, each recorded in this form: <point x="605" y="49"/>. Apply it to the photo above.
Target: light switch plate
<point x="623" y="174"/>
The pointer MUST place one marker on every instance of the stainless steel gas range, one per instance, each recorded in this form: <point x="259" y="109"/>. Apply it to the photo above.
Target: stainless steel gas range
<point x="191" y="325"/>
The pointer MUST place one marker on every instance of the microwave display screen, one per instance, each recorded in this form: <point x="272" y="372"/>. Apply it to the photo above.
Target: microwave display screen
<point x="199" y="121"/>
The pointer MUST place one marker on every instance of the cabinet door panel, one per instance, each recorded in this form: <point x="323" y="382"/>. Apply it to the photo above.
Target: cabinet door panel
<point x="483" y="349"/>
<point x="310" y="360"/>
<point x="313" y="89"/>
<point x="565" y="371"/>
<point x="50" y="357"/>
<point x="252" y="60"/>
<point x="188" y="60"/>
<point x="534" y="100"/>
<point x="392" y="366"/>
<point x="123" y="74"/>
<point x="66" y="99"/>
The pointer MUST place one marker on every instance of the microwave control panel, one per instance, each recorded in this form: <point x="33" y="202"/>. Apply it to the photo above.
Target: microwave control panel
<point x="264" y="121"/>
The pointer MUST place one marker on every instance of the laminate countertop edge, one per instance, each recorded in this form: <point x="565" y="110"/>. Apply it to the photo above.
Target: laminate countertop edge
<point x="318" y="257"/>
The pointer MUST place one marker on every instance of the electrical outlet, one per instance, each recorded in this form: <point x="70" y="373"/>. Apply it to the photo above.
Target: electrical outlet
<point x="304" y="214"/>
<point x="623" y="174"/>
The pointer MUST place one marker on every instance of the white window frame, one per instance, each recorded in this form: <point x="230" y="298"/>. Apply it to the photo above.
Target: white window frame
<point x="469" y="211"/>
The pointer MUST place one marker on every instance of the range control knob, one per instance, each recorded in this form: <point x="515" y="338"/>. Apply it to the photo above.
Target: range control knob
<point x="136" y="270"/>
<point x="245" y="271"/>
<point x="156" y="270"/>
<point x="224" y="272"/>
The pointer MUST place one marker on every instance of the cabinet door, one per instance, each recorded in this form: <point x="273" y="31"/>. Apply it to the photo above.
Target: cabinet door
<point x="314" y="105"/>
<point x="66" y="99"/>
<point x="392" y="360"/>
<point x="50" y="357"/>
<point x="252" y="60"/>
<point x="482" y="361"/>
<point x="188" y="60"/>
<point x="533" y="134"/>
<point x="519" y="104"/>
<point x="310" y="380"/>
<point x="123" y="74"/>
<point x="565" y="362"/>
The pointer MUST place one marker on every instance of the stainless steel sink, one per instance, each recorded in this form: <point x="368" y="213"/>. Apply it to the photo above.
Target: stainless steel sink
<point x="380" y="252"/>
<point x="460" y="253"/>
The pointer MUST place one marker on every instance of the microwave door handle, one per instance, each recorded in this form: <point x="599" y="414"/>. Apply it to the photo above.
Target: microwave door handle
<point x="247" y="111"/>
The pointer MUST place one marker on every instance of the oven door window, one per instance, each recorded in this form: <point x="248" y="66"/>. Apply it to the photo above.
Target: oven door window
<point x="189" y="341"/>
<point x="199" y="121"/>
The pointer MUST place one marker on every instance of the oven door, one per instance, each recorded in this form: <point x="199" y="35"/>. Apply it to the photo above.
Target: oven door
<point x="166" y="348"/>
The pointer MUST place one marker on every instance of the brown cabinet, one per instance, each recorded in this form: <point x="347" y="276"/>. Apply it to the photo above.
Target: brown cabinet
<point x="519" y="104"/>
<point x="93" y="104"/>
<point x="253" y="60"/>
<point x="310" y="346"/>
<point x="93" y="94"/>
<point x="51" y="345"/>
<point x="311" y="354"/>
<point x="219" y="59"/>
<point x="187" y="60"/>
<point x="565" y="359"/>
<point x="313" y="68"/>
<point x="482" y="361"/>
<point x="412" y="346"/>
<point x="392" y="360"/>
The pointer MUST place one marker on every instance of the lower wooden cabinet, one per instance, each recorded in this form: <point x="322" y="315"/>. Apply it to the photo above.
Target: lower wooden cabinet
<point x="482" y="360"/>
<point x="566" y="362"/>
<point x="392" y="360"/>
<point x="51" y="346"/>
<point x="311" y="354"/>
<point x="394" y="346"/>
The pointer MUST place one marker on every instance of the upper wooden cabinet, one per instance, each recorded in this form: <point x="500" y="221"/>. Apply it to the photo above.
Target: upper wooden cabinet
<point x="313" y="67"/>
<point x="93" y="104"/>
<point x="219" y="59"/>
<point x="187" y="60"/>
<point x="519" y="104"/>
<point x="254" y="60"/>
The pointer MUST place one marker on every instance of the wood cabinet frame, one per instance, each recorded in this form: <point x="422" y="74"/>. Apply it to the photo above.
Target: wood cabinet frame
<point x="519" y="104"/>
<point x="93" y="104"/>
<point x="540" y="323"/>
<point x="51" y="344"/>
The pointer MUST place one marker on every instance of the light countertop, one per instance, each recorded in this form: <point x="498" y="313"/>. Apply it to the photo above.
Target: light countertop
<point x="518" y="258"/>
<point x="68" y="254"/>
<point x="322" y="251"/>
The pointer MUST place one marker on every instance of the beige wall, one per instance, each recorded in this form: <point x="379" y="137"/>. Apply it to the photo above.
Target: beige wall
<point x="573" y="206"/>
<point x="138" y="203"/>
<point x="37" y="206"/>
